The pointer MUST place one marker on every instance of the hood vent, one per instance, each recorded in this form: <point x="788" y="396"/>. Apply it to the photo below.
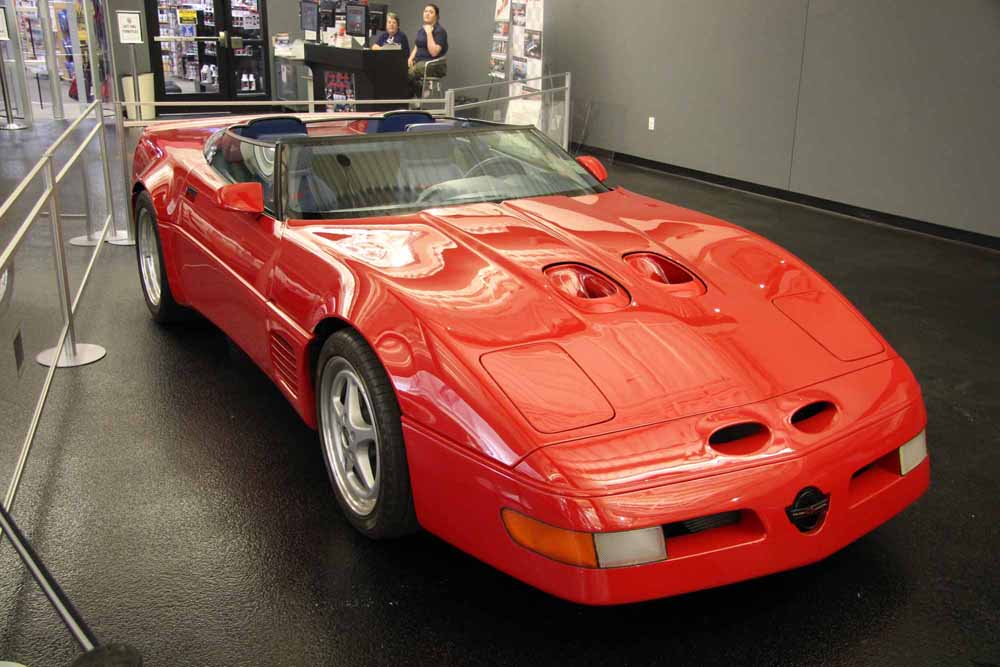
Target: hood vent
<point x="740" y="439"/>
<point x="665" y="272"/>
<point x="587" y="288"/>
<point x="283" y="360"/>
<point x="814" y="417"/>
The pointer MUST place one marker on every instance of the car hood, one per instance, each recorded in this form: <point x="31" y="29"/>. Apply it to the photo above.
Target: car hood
<point x="764" y="325"/>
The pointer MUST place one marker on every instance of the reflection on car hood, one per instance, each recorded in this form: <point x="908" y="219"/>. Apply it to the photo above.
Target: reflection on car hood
<point x="474" y="275"/>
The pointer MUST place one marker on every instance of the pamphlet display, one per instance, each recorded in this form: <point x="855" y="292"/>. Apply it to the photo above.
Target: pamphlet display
<point x="526" y="45"/>
<point x="339" y="88"/>
<point x="501" y="40"/>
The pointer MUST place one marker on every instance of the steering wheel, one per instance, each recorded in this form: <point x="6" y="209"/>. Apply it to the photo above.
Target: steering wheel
<point x="480" y="166"/>
<point x="430" y="192"/>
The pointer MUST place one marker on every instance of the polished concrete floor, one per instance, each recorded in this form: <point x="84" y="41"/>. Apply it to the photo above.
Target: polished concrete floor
<point x="186" y="509"/>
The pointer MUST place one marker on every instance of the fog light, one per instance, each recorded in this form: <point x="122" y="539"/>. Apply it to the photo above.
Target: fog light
<point x="631" y="547"/>
<point x="572" y="547"/>
<point x="913" y="453"/>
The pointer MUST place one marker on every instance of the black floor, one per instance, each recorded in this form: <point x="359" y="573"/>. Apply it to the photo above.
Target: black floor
<point x="186" y="508"/>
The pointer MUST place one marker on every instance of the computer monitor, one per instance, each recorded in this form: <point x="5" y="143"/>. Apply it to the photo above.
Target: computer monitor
<point x="357" y="20"/>
<point x="377" y="14"/>
<point x="309" y="16"/>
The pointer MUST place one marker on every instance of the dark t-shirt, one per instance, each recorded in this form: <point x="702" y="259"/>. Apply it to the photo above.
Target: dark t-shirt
<point x="440" y="36"/>
<point x="398" y="38"/>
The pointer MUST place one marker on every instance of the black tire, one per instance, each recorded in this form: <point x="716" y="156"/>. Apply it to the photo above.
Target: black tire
<point x="164" y="309"/>
<point x="393" y="514"/>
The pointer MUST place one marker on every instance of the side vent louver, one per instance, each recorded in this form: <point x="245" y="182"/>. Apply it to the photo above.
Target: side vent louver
<point x="284" y="362"/>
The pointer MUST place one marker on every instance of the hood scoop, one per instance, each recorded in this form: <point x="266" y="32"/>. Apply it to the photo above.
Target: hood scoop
<point x="587" y="288"/>
<point x="665" y="272"/>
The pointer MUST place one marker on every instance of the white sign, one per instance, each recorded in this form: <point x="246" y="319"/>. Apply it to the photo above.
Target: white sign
<point x="4" y="37"/>
<point x="129" y="27"/>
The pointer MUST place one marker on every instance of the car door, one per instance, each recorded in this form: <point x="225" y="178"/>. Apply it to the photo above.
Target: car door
<point x="229" y="282"/>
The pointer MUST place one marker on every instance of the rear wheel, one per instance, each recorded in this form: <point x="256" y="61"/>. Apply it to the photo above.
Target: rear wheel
<point x="152" y="273"/>
<point x="362" y="438"/>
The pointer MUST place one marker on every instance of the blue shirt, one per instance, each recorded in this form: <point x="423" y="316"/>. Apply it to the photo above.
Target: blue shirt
<point x="440" y="36"/>
<point x="398" y="38"/>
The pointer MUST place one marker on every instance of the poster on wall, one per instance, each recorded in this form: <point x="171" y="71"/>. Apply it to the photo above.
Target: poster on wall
<point x="4" y="35"/>
<point x="339" y="89"/>
<point x="526" y="44"/>
<point x="526" y="51"/>
<point x="501" y="40"/>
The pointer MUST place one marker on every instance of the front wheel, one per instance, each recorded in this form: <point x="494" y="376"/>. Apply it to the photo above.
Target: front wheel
<point x="152" y="273"/>
<point x="362" y="438"/>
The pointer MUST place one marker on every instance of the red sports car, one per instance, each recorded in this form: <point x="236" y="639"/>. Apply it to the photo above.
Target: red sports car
<point x="606" y="396"/>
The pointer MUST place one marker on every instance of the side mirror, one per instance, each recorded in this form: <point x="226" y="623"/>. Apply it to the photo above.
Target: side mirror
<point x="242" y="197"/>
<point x="593" y="167"/>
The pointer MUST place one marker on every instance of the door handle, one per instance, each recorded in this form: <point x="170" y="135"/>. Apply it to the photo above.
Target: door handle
<point x="224" y="38"/>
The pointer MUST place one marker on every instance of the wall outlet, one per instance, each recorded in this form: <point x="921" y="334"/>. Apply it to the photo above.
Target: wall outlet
<point x="652" y="123"/>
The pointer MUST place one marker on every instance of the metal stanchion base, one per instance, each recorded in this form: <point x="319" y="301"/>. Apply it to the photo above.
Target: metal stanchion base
<point x="85" y="354"/>
<point x="85" y="241"/>
<point x="119" y="238"/>
<point x="13" y="125"/>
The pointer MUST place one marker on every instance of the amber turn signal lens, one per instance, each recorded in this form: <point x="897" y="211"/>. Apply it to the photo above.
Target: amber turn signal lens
<point x="566" y="546"/>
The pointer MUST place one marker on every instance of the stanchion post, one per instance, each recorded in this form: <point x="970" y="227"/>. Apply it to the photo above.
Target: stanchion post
<point x="135" y="83"/>
<point x="566" y="116"/>
<point x="118" y="236"/>
<point x="92" y="237"/>
<point x="105" y="162"/>
<point x="78" y="73"/>
<point x="11" y="122"/>
<point x="449" y="102"/>
<point x="122" y="237"/>
<point x="50" y="60"/>
<point x="62" y="278"/>
<point x="77" y="354"/>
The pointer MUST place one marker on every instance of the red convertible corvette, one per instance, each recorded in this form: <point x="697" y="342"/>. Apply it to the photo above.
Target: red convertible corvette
<point x="606" y="396"/>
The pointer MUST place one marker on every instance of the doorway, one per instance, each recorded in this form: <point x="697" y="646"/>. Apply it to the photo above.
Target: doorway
<point x="208" y="50"/>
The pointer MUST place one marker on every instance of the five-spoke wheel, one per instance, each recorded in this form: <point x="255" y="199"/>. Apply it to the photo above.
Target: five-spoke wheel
<point x="350" y="437"/>
<point x="362" y="437"/>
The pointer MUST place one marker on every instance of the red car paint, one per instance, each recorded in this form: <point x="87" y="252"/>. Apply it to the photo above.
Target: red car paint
<point x="514" y="397"/>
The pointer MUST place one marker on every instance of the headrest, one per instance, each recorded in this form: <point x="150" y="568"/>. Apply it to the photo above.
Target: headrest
<point x="273" y="128"/>
<point x="400" y="120"/>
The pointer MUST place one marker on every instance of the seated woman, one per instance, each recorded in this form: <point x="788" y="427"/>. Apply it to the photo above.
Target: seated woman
<point x="431" y="42"/>
<point x="392" y="35"/>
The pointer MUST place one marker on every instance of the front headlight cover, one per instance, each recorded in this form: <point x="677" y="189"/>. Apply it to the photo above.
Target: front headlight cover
<point x="913" y="453"/>
<point x="631" y="547"/>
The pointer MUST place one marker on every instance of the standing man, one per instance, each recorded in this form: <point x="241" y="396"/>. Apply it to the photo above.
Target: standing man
<point x="431" y="42"/>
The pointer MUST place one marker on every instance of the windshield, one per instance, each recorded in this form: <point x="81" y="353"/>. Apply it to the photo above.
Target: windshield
<point x="402" y="173"/>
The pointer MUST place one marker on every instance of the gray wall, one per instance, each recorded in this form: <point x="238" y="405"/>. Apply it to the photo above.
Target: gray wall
<point x="900" y="109"/>
<point x="890" y="105"/>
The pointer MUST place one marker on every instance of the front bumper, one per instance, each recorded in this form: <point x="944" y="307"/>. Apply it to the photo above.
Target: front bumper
<point x="459" y="497"/>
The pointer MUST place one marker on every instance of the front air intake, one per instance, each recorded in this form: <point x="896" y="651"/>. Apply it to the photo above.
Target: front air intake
<point x="814" y="417"/>
<point x="740" y="439"/>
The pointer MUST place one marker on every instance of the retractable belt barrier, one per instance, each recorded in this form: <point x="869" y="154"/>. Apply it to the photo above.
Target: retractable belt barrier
<point x="552" y="118"/>
<point x="67" y="352"/>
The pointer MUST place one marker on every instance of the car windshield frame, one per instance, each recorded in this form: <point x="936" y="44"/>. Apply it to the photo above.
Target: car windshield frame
<point x="284" y="145"/>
